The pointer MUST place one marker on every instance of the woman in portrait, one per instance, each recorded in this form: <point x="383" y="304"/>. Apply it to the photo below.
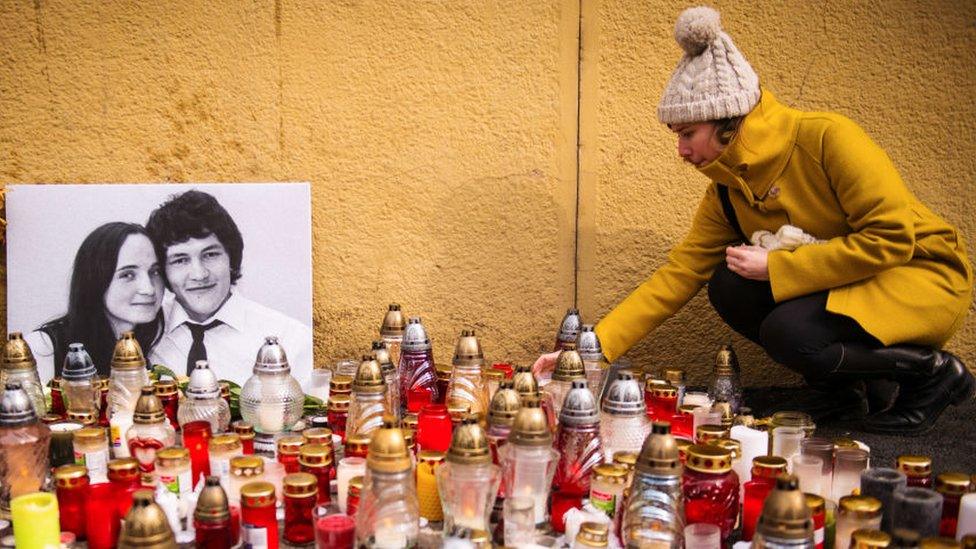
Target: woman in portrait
<point x="116" y="287"/>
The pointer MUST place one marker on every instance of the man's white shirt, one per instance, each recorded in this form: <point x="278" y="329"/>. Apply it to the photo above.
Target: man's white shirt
<point x="233" y="345"/>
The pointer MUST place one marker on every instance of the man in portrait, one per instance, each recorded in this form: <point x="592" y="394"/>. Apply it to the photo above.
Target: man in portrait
<point x="206" y="317"/>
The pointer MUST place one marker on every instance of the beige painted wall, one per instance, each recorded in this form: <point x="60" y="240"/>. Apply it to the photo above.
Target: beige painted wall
<point x="440" y="137"/>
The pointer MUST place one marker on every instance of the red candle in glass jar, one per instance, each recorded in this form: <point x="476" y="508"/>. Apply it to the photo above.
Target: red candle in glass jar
<point x="57" y="398"/>
<point x="316" y="459"/>
<point x="434" y="428"/>
<point x="103" y="402"/>
<point x="258" y="512"/>
<point x="357" y="446"/>
<point x="952" y="486"/>
<point x="300" y="495"/>
<point x="288" y="453"/>
<point x="246" y="431"/>
<point x="683" y="422"/>
<point x="211" y="517"/>
<point x="818" y="511"/>
<point x="196" y="439"/>
<point x="169" y="395"/>
<point x="333" y="528"/>
<point x="505" y="368"/>
<point x="663" y="402"/>
<point x="710" y="487"/>
<point x="765" y="469"/>
<point x="355" y="493"/>
<point x="917" y="469"/>
<point x="102" y="521"/>
<point x="72" y="488"/>
<point x="125" y="478"/>
<point x="338" y="414"/>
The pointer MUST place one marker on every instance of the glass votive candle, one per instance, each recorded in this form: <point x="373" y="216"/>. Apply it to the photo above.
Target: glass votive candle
<point x="824" y="449"/>
<point x="848" y="464"/>
<point x="918" y="469"/>
<point x="61" y="451"/>
<point x="918" y="509"/>
<point x="786" y="442"/>
<point x="854" y="513"/>
<point x="300" y="494"/>
<point x="349" y="467"/>
<point x="72" y="489"/>
<point x="703" y="536"/>
<point x="967" y="516"/>
<point x="102" y="522"/>
<point x="809" y="472"/>
<point x="518" y="514"/>
<point x="288" y="448"/>
<point x="704" y="416"/>
<point x="434" y="428"/>
<point x="333" y="527"/>
<point x="37" y="515"/>
<point x="881" y="483"/>
<point x="952" y="486"/>
<point x="196" y="439"/>
<point x="818" y="512"/>
<point x="223" y="448"/>
<point x="683" y="421"/>
<point x="697" y="399"/>
<point x="318" y="384"/>
<point x="357" y="446"/>
<point x="754" y="443"/>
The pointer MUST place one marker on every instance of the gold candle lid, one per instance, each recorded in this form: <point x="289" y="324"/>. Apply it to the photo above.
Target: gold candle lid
<point x="969" y="541"/>
<point x="51" y="418"/>
<point x="524" y="382"/>
<point x="659" y="454"/>
<point x="339" y="403"/>
<point x="246" y="466"/>
<point x="388" y="452"/>
<point x="103" y="384"/>
<point x="340" y="385"/>
<point x="952" y="484"/>
<point x="708" y="459"/>
<point x="17" y="354"/>
<point x="915" y="466"/>
<point x="707" y="432"/>
<point x="785" y="514"/>
<point x="258" y="494"/>
<point x="467" y="351"/>
<point x="845" y="442"/>
<point x="592" y="534"/>
<point x="610" y="472"/>
<point x="729" y="444"/>
<point x="687" y="409"/>
<point x="469" y="444"/>
<point x="939" y="543"/>
<point x="661" y="391"/>
<point x="289" y="445"/>
<point x="149" y="409"/>
<point x="530" y="428"/>
<point x="625" y="458"/>
<point x="369" y="377"/>
<point x="409" y="435"/>
<point x="243" y="429"/>
<point x="357" y="443"/>
<point x="860" y="506"/>
<point x="569" y="364"/>
<point x="674" y="376"/>
<point x="226" y="442"/>
<point x="318" y="435"/>
<point x="315" y="455"/>
<point x="70" y="476"/>
<point x="815" y="503"/>
<point x="124" y="467"/>
<point x="905" y="537"/>
<point x="212" y="505"/>
<point x="444" y="372"/>
<point x="393" y="322"/>
<point x="174" y="456"/>
<point x="91" y="435"/>
<point x="768" y="466"/>
<point x="356" y="484"/>
<point x="431" y="456"/>
<point x="867" y="538"/>
<point x="84" y="418"/>
<point x="410" y="421"/>
<point x="128" y="353"/>
<point x="146" y="525"/>
<point x="300" y="485"/>
<point x="504" y="405"/>
<point x="493" y="375"/>
<point x="165" y="387"/>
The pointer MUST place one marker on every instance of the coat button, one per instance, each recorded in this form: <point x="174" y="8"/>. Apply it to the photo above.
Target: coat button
<point x="774" y="192"/>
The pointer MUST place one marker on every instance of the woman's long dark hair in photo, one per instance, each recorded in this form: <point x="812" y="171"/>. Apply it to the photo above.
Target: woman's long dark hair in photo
<point x="86" y="321"/>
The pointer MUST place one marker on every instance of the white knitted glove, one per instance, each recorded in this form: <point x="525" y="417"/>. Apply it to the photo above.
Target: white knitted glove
<point x="787" y="237"/>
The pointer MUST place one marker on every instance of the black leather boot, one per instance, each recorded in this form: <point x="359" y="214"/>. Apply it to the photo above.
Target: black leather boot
<point x="922" y="401"/>
<point x="897" y="362"/>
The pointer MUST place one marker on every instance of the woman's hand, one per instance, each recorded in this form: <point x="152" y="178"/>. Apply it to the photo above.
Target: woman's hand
<point x="545" y="364"/>
<point x="748" y="261"/>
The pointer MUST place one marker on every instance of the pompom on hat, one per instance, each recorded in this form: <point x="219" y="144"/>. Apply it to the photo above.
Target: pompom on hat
<point x="713" y="80"/>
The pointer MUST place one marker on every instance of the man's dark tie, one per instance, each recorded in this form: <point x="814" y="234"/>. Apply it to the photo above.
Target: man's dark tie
<point x="197" y="350"/>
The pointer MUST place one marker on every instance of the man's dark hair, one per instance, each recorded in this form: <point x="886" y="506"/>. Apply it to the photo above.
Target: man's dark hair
<point x="195" y="214"/>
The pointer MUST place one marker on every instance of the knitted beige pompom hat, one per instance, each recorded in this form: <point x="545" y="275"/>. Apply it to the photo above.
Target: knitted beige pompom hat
<point x="712" y="80"/>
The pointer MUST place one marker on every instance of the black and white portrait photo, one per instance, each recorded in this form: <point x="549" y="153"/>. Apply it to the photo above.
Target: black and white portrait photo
<point x="196" y="271"/>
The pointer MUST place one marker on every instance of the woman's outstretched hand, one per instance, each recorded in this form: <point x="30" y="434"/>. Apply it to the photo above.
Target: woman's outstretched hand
<point x="545" y="364"/>
<point x="748" y="261"/>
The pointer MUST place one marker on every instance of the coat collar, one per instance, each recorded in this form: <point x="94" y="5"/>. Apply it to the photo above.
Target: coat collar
<point x="759" y="151"/>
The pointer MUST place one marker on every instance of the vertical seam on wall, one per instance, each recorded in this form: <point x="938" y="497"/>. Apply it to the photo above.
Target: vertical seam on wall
<point x="579" y="99"/>
<point x="281" y="122"/>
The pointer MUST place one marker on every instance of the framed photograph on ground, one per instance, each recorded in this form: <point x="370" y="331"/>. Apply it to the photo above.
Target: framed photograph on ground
<point x="196" y="271"/>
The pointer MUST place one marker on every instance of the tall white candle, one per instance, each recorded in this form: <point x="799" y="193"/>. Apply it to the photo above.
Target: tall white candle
<point x="348" y="469"/>
<point x="754" y="443"/>
<point x="967" y="516"/>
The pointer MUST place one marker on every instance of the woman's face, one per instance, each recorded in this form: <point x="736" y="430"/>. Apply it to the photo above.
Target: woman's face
<point x="136" y="291"/>
<point x="698" y="143"/>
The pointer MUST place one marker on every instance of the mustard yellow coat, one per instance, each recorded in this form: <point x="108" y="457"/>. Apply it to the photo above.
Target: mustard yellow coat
<point x="889" y="262"/>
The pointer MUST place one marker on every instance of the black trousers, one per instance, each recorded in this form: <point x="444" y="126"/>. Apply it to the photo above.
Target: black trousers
<point x="799" y="334"/>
